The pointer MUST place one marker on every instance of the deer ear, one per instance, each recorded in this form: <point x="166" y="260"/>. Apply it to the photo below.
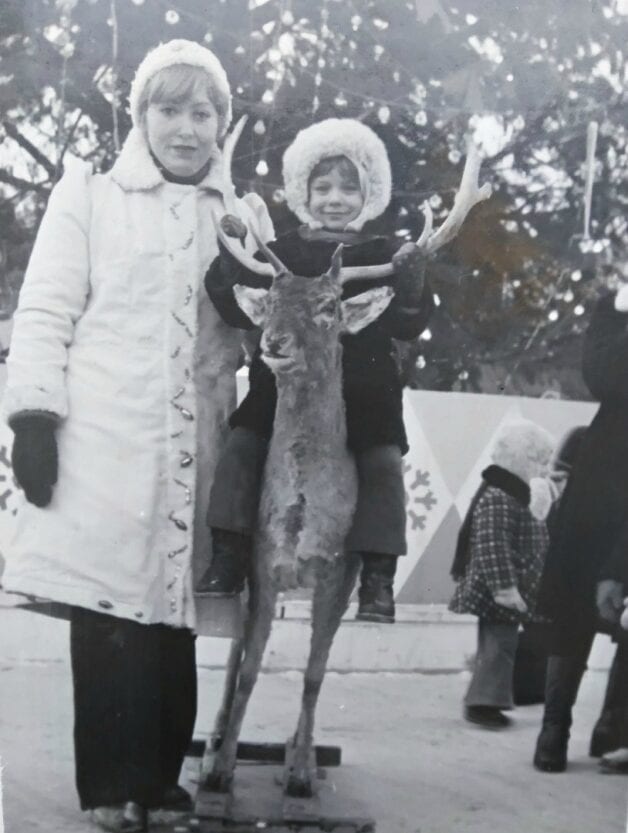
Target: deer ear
<point x="252" y="302"/>
<point x="361" y="310"/>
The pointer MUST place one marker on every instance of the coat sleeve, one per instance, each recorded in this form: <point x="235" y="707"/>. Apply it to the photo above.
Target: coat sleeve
<point x="225" y="271"/>
<point x="615" y="567"/>
<point x="493" y="541"/>
<point x="52" y="299"/>
<point x="605" y="357"/>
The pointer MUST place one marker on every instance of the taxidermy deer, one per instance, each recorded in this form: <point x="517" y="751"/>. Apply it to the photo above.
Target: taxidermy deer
<point x="310" y="483"/>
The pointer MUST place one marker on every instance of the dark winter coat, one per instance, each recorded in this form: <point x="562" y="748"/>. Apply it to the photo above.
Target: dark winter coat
<point x="505" y="547"/>
<point x="586" y="544"/>
<point x="372" y="386"/>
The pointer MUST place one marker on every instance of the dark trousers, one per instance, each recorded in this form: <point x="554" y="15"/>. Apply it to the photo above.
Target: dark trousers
<point x="134" y="707"/>
<point x="379" y="522"/>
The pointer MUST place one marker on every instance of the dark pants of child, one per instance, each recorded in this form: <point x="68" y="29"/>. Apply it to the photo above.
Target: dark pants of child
<point x="491" y="683"/>
<point x="134" y="707"/>
<point x="378" y="531"/>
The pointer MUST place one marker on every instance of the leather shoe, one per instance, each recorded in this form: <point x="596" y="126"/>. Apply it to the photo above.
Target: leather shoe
<point x="615" y="763"/>
<point x="489" y="717"/>
<point x="122" y="818"/>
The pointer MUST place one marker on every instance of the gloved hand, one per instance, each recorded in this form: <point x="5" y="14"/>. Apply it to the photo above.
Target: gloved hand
<point x="609" y="598"/>
<point x="34" y="456"/>
<point x="511" y="598"/>
<point x="409" y="265"/>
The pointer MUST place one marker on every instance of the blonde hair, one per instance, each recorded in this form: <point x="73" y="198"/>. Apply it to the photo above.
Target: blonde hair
<point x="180" y="82"/>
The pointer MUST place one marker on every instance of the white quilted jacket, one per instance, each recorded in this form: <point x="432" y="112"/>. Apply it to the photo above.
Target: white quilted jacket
<point x="115" y="334"/>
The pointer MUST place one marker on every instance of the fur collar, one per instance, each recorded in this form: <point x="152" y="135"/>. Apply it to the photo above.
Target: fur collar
<point x="134" y="169"/>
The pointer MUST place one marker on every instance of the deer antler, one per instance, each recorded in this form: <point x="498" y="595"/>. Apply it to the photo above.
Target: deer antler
<point x="228" y="188"/>
<point x="469" y="194"/>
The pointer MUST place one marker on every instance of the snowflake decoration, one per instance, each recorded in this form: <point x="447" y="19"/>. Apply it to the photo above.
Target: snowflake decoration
<point x="419" y="494"/>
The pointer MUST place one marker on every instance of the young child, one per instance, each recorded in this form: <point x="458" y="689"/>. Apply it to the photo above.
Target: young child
<point x="337" y="177"/>
<point x="499" y="559"/>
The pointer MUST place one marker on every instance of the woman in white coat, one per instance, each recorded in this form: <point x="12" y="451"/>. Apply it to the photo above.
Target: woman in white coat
<point x="121" y="377"/>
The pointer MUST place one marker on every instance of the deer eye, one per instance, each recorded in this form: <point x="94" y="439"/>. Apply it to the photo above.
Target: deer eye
<point x="327" y="309"/>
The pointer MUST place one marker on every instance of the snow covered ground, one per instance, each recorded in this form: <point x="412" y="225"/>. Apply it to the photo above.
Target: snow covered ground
<point x="407" y="754"/>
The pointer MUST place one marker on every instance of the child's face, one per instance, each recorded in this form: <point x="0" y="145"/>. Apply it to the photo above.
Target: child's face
<point x="335" y="200"/>
<point x="182" y="133"/>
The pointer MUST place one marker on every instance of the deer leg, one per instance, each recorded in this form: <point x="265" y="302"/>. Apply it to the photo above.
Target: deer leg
<point x="256" y="635"/>
<point x="331" y="599"/>
<point x="222" y="716"/>
<point x="231" y="682"/>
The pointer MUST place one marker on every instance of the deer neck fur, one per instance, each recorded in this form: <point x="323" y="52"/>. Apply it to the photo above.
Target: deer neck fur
<point x="310" y="404"/>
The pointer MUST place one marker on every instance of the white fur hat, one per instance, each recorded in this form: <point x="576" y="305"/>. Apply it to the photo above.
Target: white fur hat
<point x="173" y="53"/>
<point x="523" y="448"/>
<point x="338" y="137"/>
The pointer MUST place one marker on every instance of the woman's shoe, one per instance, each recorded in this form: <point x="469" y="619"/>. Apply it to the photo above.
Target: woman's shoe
<point x="122" y="818"/>
<point x="615" y="763"/>
<point x="490" y="717"/>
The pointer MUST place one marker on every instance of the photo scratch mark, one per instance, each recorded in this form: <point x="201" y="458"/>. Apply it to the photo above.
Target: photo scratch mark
<point x="1" y="801"/>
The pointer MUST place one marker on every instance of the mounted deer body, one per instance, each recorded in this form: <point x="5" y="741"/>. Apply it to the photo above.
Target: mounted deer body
<point x="310" y="481"/>
<point x="310" y="484"/>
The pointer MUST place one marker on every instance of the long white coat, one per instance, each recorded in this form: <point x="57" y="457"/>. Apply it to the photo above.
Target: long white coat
<point x="115" y="334"/>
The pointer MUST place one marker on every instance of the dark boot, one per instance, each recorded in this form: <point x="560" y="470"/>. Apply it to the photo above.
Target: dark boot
<point x="376" y="598"/>
<point x="231" y="558"/>
<point x="563" y="680"/>
<point x="606" y="732"/>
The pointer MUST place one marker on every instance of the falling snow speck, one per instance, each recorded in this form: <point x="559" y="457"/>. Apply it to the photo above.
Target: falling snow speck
<point x="553" y="315"/>
<point x="172" y="17"/>
<point x="261" y="168"/>
<point x="579" y="310"/>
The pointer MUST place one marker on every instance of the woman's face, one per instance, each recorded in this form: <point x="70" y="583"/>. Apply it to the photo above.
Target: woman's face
<point x="182" y="133"/>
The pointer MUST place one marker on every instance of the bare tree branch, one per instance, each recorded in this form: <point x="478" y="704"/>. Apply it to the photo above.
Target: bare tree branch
<point x="21" y="184"/>
<point x="12" y="131"/>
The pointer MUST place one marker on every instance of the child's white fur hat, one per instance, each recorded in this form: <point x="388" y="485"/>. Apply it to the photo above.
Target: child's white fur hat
<point x="338" y="137"/>
<point x="525" y="449"/>
<point x="175" y="53"/>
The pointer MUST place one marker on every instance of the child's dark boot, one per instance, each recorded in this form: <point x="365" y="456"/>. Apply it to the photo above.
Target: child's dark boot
<point x="231" y="557"/>
<point x="376" y="597"/>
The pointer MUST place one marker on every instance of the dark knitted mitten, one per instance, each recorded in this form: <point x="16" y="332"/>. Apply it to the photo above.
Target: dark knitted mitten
<point x="409" y="265"/>
<point x="34" y="457"/>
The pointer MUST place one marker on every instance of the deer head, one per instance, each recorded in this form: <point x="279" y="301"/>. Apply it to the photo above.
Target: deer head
<point x="303" y="318"/>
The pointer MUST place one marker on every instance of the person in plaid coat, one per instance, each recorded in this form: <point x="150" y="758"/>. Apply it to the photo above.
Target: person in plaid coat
<point x="499" y="562"/>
